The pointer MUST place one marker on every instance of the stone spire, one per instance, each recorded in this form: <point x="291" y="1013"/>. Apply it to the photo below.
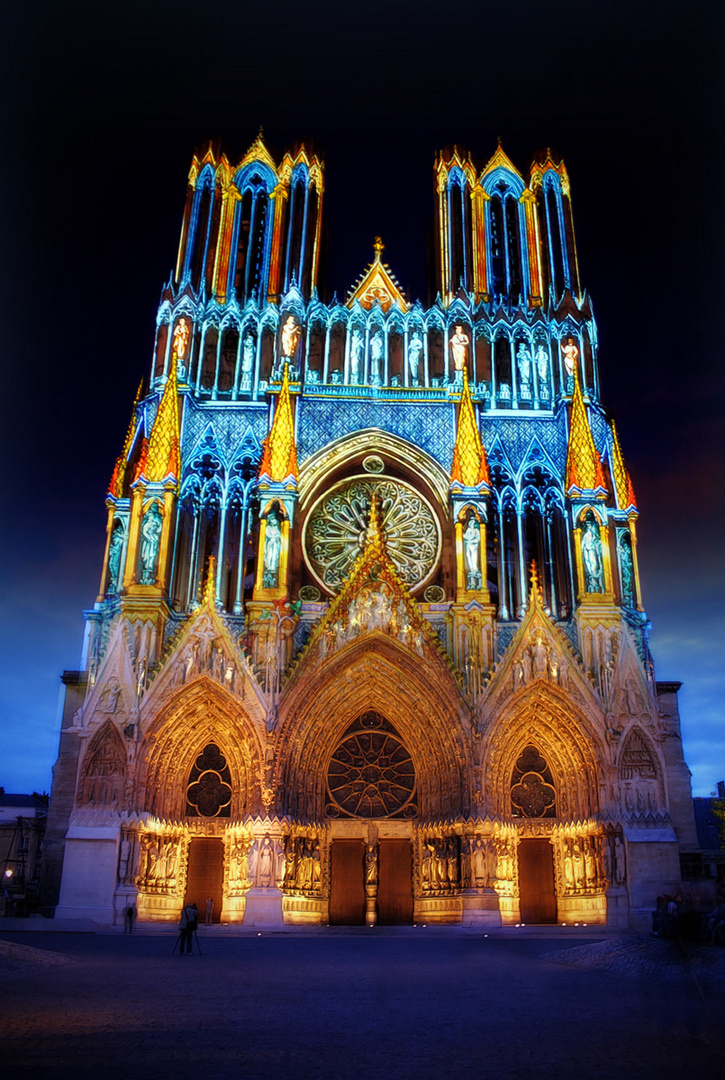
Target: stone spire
<point x="162" y="459"/>
<point x="279" y="460"/>
<point x="623" y="489"/>
<point x="584" y="471"/>
<point x="469" y="468"/>
<point x="115" y="484"/>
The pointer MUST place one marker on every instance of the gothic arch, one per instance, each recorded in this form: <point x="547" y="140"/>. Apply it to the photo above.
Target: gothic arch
<point x="563" y="735"/>
<point x="103" y="772"/>
<point x="376" y="675"/>
<point x="198" y="714"/>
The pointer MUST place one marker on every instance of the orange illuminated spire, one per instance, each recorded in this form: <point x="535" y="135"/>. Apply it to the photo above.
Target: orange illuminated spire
<point x="622" y="481"/>
<point x="279" y="460"/>
<point x="162" y="459"/>
<point x="469" y="468"/>
<point x="584" y="471"/>
<point x="115" y="486"/>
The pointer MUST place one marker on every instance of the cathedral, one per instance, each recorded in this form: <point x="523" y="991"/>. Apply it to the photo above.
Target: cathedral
<point x="369" y="644"/>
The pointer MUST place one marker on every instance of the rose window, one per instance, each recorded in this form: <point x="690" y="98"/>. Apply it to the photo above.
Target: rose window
<point x="335" y="531"/>
<point x="209" y="792"/>
<point x="371" y="774"/>
<point x="532" y="787"/>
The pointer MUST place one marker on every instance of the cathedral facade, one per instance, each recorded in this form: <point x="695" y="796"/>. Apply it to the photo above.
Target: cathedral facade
<point x="369" y="643"/>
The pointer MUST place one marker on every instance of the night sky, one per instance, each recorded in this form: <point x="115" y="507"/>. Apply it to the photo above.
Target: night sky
<point x="102" y="111"/>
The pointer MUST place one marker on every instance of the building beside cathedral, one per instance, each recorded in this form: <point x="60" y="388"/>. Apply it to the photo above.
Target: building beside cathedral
<point x="369" y="643"/>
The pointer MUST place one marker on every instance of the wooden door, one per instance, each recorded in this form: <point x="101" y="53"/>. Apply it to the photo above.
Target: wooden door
<point x="395" y="882"/>
<point x="347" y="883"/>
<point x="205" y="875"/>
<point x="536" y="881"/>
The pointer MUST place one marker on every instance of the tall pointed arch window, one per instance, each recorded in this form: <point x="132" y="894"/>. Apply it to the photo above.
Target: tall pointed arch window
<point x="459" y="231"/>
<point x="200" y="229"/>
<point x="505" y="233"/>
<point x="301" y="231"/>
<point x="558" y="269"/>
<point x="250" y="238"/>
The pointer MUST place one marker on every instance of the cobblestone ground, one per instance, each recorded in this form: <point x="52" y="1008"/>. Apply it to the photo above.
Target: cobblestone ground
<point x="382" y="1003"/>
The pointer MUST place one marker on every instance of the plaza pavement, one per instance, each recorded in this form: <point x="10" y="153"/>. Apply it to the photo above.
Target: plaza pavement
<point x="348" y="1003"/>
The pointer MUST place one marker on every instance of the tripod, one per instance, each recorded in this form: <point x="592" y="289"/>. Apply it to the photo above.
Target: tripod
<point x="178" y="942"/>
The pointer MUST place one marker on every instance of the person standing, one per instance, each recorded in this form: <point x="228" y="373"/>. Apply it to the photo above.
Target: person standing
<point x="129" y="917"/>
<point x="208" y="910"/>
<point x="187" y="927"/>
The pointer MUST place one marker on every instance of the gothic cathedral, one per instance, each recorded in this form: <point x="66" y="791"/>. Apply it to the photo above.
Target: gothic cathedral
<point x="369" y="644"/>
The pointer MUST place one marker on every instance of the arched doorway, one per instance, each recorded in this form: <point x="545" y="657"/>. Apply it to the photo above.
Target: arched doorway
<point x="371" y="801"/>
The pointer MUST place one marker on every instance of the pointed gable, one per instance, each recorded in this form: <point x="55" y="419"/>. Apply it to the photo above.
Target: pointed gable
<point x="500" y="160"/>
<point x="374" y="599"/>
<point x="584" y="471"/>
<point x="377" y="283"/>
<point x="279" y="459"/>
<point x="469" y="468"/>
<point x="258" y="152"/>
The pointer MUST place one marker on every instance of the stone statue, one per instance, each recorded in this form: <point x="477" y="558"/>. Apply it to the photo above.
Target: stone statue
<point x="539" y="657"/>
<point x="376" y="355"/>
<point x="415" y="347"/>
<point x="542" y="366"/>
<point x="523" y="360"/>
<point x="571" y="352"/>
<point x="266" y="862"/>
<point x="459" y="343"/>
<point x="151" y="527"/>
<point x="626" y="569"/>
<point x="124" y="856"/>
<point x="356" y="346"/>
<point x="109" y="698"/>
<point x="619" y="869"/>
<point x="182" y="333"/>
<point x="452" y="860"/>
<point x="272" y="549"/>
<point x="291" y="334"/>
<point x="478" y="863"/>
<point x="592" y="559"/>
<point x="472" y="552"/>
<point x="114" y="556"/>
<point x="247" y="363"/>
<point x="371" y="864"/>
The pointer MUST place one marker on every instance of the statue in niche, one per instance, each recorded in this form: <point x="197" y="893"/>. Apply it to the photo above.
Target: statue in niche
<point x="291" y="334"/>
<point x="371" y="864"/>
<point x="280" y="863"/>
<point x="151" y="527"/>
<point x="182" y="333"/>
<point x="523" y="362"/>
<point x="592" y="559"/>
<point x="452" y="860"/>
<point x="627" y="571"/>
<point x="415" y="347"/>
<point x="472" y="552"/>
<point x="290" y="868"/>
<point x="634" y="702"/>
<point x="376" y="355"/>
<point x="266" y="862"/>
<point x="114" y="557"/>
<point x="542" y="367"/>
<point x="619" y="867"/>
<point x="272" y="549"/>
<point x="568" y="868"/>
<point x="589" y="864"/>
<point x="123" y="859"/>
<point x="109" y="698"/>
<point x="252" y="862"/>
<point x="247" y="363"/>
<point x="459" y="343"/>
<point x="425" y="865"/>
<point x="356" y="347"/>
<point x="570" y="353"/>
<point x="539" y="656"/>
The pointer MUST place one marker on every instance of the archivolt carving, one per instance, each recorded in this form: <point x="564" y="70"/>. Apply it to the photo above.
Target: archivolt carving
<point x="377" y="675"/>
<point x="203" y="714"/>
<point x="104" y="769"/>
<point x="566" y="741"/>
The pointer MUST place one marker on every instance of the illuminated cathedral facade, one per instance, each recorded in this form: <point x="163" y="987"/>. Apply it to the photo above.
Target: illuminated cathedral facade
<point x="369" y="644"/>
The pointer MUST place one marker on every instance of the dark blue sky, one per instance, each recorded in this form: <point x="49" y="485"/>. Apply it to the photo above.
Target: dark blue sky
<point x="102" y="111"/>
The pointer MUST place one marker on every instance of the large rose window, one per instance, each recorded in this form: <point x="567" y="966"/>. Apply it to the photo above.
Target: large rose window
<point x="371" y="774"/>
<point x="335" y="530"/>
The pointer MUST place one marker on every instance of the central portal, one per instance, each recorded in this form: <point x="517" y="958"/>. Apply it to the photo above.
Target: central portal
<point x="394" y="904"/>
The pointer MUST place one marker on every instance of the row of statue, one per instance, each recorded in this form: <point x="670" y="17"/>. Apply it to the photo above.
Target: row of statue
<point x="532" y="361"/>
